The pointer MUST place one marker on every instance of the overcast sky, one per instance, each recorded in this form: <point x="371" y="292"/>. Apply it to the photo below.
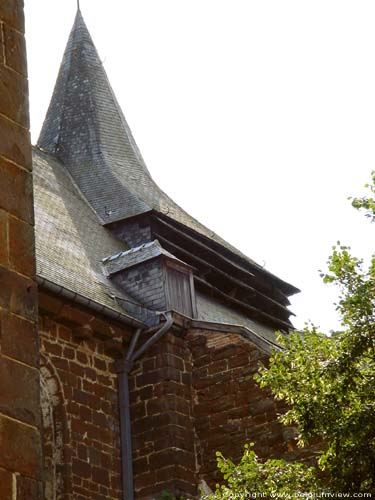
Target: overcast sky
<point x="258" y="117"/>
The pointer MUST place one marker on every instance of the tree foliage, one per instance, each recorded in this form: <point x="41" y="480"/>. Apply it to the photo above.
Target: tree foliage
<point x="272" y="478"/>
<point x="329" y="385"/>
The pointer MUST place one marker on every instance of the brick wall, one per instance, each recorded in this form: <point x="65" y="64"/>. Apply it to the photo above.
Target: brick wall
<point x="20" y="450"/>
<point x="192" y="394"/>
<point x="162" y="419"/>
<point x="230" y="408"/>
<point x="81" y="440"/>
<point x="81" y="433"/>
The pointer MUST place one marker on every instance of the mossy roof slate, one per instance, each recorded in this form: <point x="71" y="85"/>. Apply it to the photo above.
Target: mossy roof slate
<point x="70" y="242"/>
<point x="88" y="173"/>
<point x="86" y="129"/>
<point x="71" y="245"/>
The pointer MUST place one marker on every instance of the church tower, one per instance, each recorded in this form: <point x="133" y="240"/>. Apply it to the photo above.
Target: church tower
<point x="86" y="130"/>
<point x="151" y="325"/>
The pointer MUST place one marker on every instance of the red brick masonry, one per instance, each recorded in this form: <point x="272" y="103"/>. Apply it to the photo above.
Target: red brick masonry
<point x="192" y="394"/>
<point x="20" y="443"/>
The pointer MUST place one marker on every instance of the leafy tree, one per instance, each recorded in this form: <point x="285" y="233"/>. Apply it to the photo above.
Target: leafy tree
<point x="329" y="386"/>
<point x="272" y="478"/>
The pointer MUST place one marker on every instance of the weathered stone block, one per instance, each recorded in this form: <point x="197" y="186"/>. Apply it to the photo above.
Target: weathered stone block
<point x="21" y="247"/>
<point x="15" y="51"/>
<point x="28" y="489"/>
<point x="81" y="468"/>
<point x="15" y="143"/>
<point x="14" y="96"/>
<point x="6" y="485"/>
<point x="20" y="447"/>
<point x="19" y="391"/>
<point x="4" y="257"/>
<point x="19" y="339"/>
<point x="18" y="294"/>
<point x="144" y="480"/>
<point x="16" y="189"/>
<point x="2" y="46"/>
<point x="101" y="476"/>
<point x="11" y="12"/>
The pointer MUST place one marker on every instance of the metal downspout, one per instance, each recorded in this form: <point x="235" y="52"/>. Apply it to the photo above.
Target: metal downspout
<point x="123" y="368"/>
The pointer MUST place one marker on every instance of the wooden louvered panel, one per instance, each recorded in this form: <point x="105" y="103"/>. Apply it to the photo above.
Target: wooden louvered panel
<point x="179" y="291"/>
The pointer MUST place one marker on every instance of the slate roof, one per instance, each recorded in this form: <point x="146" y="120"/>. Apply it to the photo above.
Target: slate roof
<point x="211" y="310"/>
<point x="86" y="129"/>
<point x="134" y="256"/>
<point x="88" y="172"/>
<point x="70" y="242"/>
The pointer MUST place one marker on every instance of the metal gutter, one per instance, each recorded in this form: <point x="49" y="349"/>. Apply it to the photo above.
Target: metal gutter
<point x="90" y="304"/>
<point x="123" y="369"/>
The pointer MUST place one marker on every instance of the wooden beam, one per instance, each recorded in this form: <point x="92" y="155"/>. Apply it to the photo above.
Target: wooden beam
<point x="214" y="252"/>
<point x="222" y="273"/>
<point x="241" y="261"/>
<point x="249" y="308"/>
<point x="204" y="246"/>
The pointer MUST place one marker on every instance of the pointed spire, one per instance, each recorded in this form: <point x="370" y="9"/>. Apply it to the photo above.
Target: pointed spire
<point x="85" y="128"/>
